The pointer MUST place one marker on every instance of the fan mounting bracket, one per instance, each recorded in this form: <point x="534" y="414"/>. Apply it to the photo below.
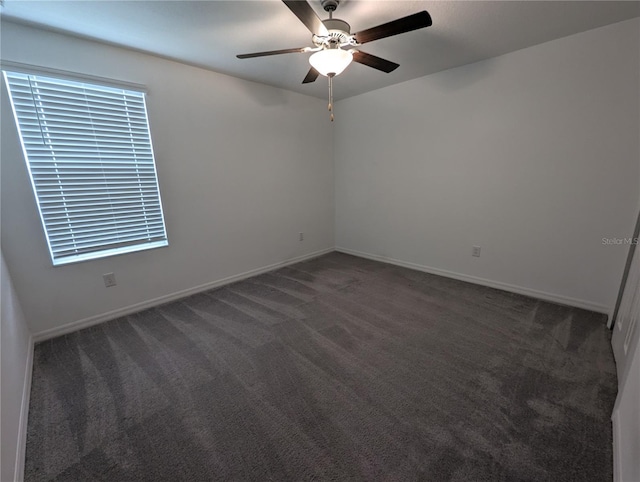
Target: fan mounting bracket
<point x="330" y="5"/>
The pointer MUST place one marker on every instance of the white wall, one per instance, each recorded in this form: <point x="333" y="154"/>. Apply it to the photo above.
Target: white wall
<point x="243" y="168"/>
<point x="532" y="155"/>
<point x="17" y="356"/>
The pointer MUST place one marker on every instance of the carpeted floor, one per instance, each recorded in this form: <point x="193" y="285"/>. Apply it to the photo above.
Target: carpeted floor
<point x="337" y="368"/>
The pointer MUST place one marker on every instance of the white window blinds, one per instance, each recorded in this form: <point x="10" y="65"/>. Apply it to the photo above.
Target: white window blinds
<point x="88" y="150"/>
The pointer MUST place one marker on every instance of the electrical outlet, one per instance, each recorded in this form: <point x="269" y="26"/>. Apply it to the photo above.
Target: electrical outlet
<point x="301" y="236"/>
<point x="476" y="251"/>
<point x="109" y="279"/>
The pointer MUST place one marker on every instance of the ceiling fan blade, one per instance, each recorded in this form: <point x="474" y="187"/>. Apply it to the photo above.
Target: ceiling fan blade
<point x="307" y="16"/>
<point x="312" y="75"/>
<point x="375" y="62"/>
<point x="395" y="27"/>
<point x="273" y="52"/>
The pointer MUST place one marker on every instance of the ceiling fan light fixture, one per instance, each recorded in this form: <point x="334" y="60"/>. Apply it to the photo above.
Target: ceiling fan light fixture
<point x="331" y="61"/>
<point x="331" y="34"/>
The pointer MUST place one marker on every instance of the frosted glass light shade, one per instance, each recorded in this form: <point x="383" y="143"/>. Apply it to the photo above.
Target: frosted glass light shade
<point x="331" y="61"/>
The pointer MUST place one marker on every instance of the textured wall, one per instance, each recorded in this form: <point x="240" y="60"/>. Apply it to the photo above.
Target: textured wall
<point x="532" y="155"/>
<point x="243" y="168"/>
<point x="16" y="350"/>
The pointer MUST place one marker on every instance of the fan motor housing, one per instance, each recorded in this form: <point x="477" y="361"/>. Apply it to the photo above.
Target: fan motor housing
<point x="339" y="32"/>
<point x="337" y="24"/>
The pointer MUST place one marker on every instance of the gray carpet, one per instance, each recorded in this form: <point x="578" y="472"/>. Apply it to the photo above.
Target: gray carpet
<point x="337" y="368"/>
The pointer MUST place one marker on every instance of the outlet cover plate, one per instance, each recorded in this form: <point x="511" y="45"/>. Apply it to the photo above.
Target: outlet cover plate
<point x="109" y="279"/>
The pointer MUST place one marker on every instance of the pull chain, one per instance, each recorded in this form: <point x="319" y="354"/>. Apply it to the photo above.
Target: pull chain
<point x="331" y="76"/>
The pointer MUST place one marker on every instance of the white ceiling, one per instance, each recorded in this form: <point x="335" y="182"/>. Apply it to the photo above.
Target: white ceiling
<point x="210" y="33"/>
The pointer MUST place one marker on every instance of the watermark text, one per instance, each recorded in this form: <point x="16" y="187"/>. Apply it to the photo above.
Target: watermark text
<point x="618" y="241"/>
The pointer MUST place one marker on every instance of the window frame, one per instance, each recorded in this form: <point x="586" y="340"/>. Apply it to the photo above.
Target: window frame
<point x="103" y="250"/>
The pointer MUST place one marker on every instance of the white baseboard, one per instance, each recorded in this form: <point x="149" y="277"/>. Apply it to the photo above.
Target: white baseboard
<point x="127" y="310"/>
<point x="563" y="300"/>
<point x="24" y="416"/>
<point x="94" y="320"/>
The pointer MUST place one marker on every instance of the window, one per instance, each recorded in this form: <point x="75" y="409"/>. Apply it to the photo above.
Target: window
<point x="89" y="154"/>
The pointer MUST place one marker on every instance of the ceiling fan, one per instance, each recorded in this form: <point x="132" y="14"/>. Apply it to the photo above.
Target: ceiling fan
<point x="334" y="44"/>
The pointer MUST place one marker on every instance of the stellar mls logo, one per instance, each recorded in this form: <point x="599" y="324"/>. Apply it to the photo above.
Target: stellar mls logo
<point x="619" y="241"/>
